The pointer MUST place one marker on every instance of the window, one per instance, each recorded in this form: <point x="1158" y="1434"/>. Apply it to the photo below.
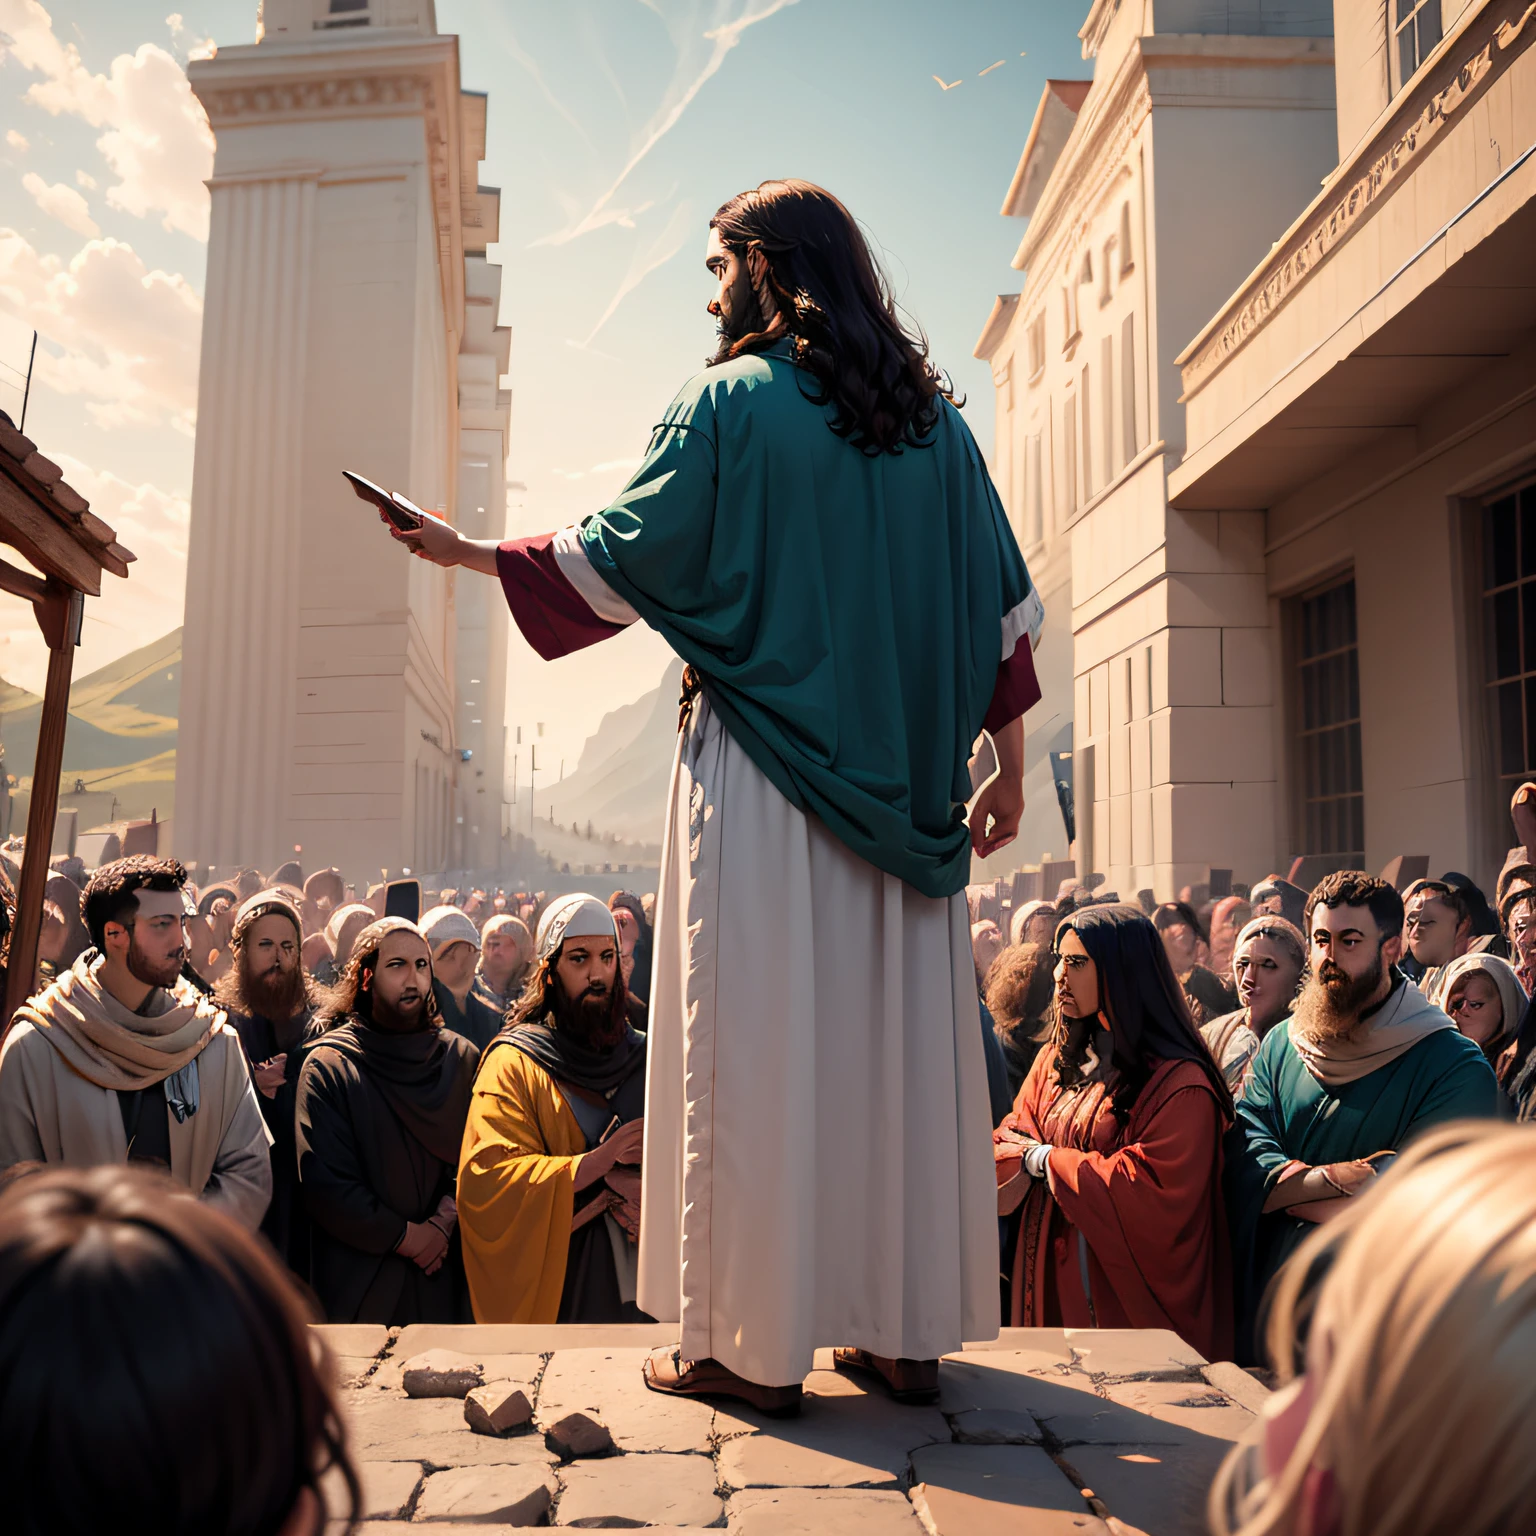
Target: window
<point x="1328" y="716"/>
<point x="1509" y="620"/>
<point x="1070" y="331"/>
<point x="1416" y="29"/>
<point x="1106" y="288"/>
<point x="1035" y="337"/>
<point x="346" y="13"/>
<point x="1069" y="452"/>
<point x="1085" y="395"/>
<point x="1128" y="388"/>
<point x="1126" y="263"/>
<point x="1107" y="414"/>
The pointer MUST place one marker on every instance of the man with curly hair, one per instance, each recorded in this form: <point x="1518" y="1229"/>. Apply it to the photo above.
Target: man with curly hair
<point x="379" y="1118"/>
<point x="272" y="1002"/>
<point x="122" y="1060"/>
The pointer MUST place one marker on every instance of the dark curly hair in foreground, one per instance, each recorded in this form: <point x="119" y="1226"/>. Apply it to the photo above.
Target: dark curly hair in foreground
<point x="836" y="305"/>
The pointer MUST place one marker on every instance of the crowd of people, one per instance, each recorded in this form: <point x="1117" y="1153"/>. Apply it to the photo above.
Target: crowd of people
<point x="441" y="1119"/>
<point x="434" y="1119"/>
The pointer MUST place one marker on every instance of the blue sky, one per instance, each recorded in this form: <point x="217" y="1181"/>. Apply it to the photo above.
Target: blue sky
<point x="615" y="129"/>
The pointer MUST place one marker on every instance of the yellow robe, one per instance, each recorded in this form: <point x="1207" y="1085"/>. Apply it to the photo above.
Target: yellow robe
<point x="517" y="1176"/>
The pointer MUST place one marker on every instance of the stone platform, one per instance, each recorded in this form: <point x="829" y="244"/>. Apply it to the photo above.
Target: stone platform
<point x="1043" y="1431"/>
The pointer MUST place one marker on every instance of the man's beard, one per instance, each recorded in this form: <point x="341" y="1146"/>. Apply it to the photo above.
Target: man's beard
<point x="589" y="1019"/>
<point x="1080" y="1052"/>
<point x="745" y="319"/>
<point x="146" y="970"/>
<point x="1328" y="1007"/>
<point x="274" y="994"/>
<point x="402" y="1018"/>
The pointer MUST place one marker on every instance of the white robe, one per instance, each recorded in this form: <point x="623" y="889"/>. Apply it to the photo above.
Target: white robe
<point x="818" y="1164"/>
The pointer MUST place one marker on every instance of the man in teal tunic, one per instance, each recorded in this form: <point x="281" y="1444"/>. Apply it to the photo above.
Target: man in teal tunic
<point x="814" y="532"/>
<point x="1363" y="1065"/>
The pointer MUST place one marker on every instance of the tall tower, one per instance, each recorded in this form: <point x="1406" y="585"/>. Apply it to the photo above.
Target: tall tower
<point x="350" y="323"/>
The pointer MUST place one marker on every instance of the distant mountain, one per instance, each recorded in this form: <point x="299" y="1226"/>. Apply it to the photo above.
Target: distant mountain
<point x="120" y="714"/>
<point x="620" y="782"/>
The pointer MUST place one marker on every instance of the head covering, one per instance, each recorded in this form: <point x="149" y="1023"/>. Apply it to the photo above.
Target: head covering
<point x="577" y="916"/>
<point x="1270" y="925"/>
<point x="443" y="926"/>
<point x="1293" y="900"/>
<point x="260" y="905"/>
<point x="1022" y="916"/>
<point x="338" y="920"/>
<point x="290" y="873"/>
<point x="505" y="922"/>
<point x="631" y="903"/>
<point x="1502" y="974"/>
<point x="223" y="891"/>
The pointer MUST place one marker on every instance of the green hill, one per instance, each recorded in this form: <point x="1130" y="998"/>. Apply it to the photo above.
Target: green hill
<point x="120" y="715"/>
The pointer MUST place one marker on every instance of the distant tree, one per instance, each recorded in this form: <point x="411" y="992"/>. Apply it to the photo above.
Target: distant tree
<point x="589" y="831"/>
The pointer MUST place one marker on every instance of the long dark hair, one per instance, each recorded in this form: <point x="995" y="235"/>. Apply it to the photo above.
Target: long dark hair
<point x="350" y="996"/>
<point x="836" y="305"/>
<point x="537" y="1002"/>
<point x="159" y="1371"/>
<point x="1141" y="1000"/>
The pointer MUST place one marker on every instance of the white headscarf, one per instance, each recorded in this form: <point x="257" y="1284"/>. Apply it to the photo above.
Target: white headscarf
<point x="577" y="916"/>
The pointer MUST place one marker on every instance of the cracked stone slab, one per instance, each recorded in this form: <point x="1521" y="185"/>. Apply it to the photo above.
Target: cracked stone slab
<point x="481" y="1339"/>
<point x="362" y="1339"/>
<point x="1244" y="1390"/>
<point x="814" y="1511"/>
<point x="606" y="1384"/>
<point x="660" y="1489"/>
<point x="845" y="1437"/>
<point x="1130" y="1354"/>
<point x="1192" y="1406"/>
<point x="521" y="1369"/>
<point x="441" y="1373"/>
<point x="998" y="1490"/>
<point x="503" y="1495"/>
<point x="991" y="1401"/>
<point x="1047" y="1348"/>
<point x="390" y="1427"/>
<point x="386" y="1489"/>
<point x="1159" y="1489"/>
<point x="1004" y="1381"/>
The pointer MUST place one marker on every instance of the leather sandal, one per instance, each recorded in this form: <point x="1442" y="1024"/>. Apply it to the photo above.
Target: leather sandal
<point x="666" y="1371"/>
<point x="908" y="1381"/>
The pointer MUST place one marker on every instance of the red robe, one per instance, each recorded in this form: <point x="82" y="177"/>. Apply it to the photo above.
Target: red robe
<point x="1135" y="1208"/>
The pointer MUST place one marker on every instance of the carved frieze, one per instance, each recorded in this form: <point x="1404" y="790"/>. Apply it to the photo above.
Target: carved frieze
<point x="1348" y="207"/>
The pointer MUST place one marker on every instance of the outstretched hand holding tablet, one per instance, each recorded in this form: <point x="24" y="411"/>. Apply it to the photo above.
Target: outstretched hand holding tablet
<point x="423" y="533"/>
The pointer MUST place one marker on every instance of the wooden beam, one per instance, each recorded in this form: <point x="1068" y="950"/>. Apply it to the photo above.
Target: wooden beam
<point x="56" y="620"/>
<point x="43" y="539"/>
<point x="20" y="583"/>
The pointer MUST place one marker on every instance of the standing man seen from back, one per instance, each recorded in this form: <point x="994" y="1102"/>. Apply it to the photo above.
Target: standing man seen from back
<point x="120" y="1060"/>
<point x="813" y="530"/>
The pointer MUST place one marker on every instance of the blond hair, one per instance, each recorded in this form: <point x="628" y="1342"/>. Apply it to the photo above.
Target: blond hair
<point x="1423" y="1351"/>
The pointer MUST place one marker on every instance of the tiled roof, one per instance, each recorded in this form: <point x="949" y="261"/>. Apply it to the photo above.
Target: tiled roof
<point x="44" y="480"/>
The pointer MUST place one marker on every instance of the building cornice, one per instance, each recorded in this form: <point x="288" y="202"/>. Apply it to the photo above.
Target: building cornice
<point x="1466" y="63"/>
<point x="387" y="75"/>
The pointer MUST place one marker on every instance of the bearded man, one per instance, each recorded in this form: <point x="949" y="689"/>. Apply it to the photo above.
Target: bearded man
<point x="813" y="530"/>
<point x="1364" y="1064"/>
<point x="381" y="1101"/>
<point x="506" y="955"/>
<point x="122" y="1060"/>
<point x="549" y="1184"/>
<point x="271" y="1000"/>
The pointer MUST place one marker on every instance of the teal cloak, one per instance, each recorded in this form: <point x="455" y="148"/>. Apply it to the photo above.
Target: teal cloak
<point x="845" y="612"/>
<point x="1286" y="1114"/>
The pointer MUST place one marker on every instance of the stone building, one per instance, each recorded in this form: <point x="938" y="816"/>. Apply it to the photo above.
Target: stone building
<point x="1366" y="401"/>
<point x="1150" y="190"/>
<point x="337" y="695"/>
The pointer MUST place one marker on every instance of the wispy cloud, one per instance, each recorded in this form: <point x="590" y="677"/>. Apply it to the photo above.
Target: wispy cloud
<point x="687" y="81"/>
<point x="498" y="24"/>
<point x="661" y="250"/>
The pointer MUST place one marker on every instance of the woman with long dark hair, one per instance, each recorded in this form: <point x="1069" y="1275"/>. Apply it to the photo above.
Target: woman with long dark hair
<point x="157" y="1373"/>
<point x="814" y="532"/>
<point x="1113" y="1149"/>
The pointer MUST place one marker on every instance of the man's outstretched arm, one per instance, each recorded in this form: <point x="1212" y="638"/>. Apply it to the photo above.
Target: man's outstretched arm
<point x="558" y="601"/>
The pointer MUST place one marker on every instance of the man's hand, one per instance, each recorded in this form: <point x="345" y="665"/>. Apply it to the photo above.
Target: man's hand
<point x="625" y="1204"/>
<point x="443" y="544"/>
<point x="624" y="1146"/>
<point x="996" y="811"/>
<point x="424" y="1244"/>
<point x="269" y="1074"/>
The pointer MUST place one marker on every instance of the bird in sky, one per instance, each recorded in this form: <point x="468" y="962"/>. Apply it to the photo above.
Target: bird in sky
<point x="947" y="87"/>
<point x="990" y="67"/>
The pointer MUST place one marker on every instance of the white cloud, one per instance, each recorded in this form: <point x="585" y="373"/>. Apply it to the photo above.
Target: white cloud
<point x="129" y="613"/>
<point x="156" y="139"/>
<point x="61" y="203"/>
<point x="175" y="23"/>
<point x="129" y="336"/>
<point x="17" y="141"/>
<point x="86" y="180"/>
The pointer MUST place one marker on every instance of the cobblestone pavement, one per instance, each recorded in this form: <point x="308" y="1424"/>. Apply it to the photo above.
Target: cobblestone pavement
<point x="1043" y="1431"/>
